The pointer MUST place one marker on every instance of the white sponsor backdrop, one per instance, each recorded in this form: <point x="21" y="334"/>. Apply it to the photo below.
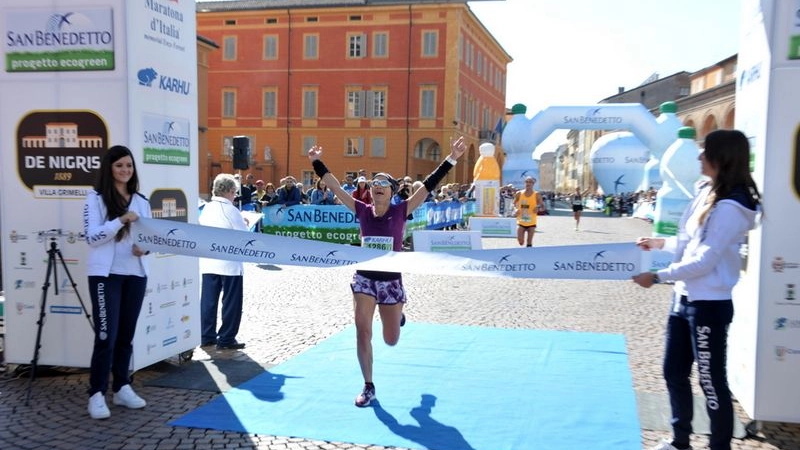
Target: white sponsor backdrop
<point x="764" y="356"/>
<point x="55" y="122"/>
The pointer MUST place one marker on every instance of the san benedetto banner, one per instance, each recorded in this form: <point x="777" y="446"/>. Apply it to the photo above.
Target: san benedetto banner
<point x="617" y="261"/>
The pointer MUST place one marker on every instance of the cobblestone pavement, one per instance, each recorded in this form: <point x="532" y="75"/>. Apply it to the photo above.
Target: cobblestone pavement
<point x="289" y="309"/>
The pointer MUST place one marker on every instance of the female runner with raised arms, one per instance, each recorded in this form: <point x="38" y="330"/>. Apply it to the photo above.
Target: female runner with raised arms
<point x="382" y="225"/>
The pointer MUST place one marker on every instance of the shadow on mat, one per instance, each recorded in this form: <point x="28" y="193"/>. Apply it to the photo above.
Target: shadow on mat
<point x="429" y="433"/>
<point x="268" y="386"/>
<point x="211" y="375"/>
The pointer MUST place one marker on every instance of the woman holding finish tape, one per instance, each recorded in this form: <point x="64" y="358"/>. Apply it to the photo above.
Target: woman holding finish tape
<point x="117" y="270"/>
<point x="382" y="225"/>
<point x="706" y="267"/>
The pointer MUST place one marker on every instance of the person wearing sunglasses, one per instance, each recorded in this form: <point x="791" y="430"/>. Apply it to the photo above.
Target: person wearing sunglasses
<point x="382" y="225"/>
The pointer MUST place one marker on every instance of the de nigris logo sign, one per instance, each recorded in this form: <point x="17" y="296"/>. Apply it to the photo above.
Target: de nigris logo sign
<point x="59" y="152"/>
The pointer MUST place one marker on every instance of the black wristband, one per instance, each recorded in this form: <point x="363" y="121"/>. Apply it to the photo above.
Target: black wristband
<point x="319" y="168"/>
<point x="431" y="181"/>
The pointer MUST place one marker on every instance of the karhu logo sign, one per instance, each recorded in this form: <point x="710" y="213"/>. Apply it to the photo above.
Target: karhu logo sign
<point x="146" y="76"/>
<point x="150" y="77"/>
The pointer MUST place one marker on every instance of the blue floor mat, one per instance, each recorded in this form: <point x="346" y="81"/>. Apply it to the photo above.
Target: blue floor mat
<point x="445" y="387"/>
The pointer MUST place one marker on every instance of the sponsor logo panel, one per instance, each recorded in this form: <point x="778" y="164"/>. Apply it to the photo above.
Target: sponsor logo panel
<point x="55" y="40"/>
<point x="165" y="140"/>
<point x="59" y="152"/>
<point x="169" y="204"/>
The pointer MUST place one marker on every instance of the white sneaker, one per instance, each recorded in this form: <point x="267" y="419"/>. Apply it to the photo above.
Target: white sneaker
<point x="126" y="397"/>
<point x="97" y="406"/>
<point x="666" y="445"/>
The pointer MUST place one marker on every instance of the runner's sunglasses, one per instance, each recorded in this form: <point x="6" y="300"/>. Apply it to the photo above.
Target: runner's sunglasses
<point x="381" y="183"/>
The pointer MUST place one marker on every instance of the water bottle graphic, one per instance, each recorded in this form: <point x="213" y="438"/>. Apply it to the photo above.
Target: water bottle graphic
<point x="668" y="126"/>
<point x="679" y="174"/>
<point x="486" y="177"/>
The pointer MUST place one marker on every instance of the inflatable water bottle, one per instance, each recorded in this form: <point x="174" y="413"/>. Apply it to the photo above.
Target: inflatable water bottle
<point x="680" y="171"/>
<point x="486" y="178"/>
<point x="667" y="127"/>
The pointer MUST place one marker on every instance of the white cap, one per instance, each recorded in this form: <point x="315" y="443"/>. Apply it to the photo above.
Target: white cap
<point x="486" y="149"/>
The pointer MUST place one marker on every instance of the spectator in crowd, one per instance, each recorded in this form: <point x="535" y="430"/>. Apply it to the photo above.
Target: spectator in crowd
<point x="269" y="194"/>
<point x="117" y="273"/>
<point x="348" y="185"/>
<point x="219" y="275"/>
<point x="245" y="198"/>
<point x="362" y="191"/>
<point x="404" y="191"/>
<point x="304" y="199"/>
<point x="321" y="195"/>
<point x="288" y="194"/>
<point x="382" y="225"/>
<point x="258" y="193"/>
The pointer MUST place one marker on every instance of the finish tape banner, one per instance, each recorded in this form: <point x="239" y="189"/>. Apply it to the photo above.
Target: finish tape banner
<point x="618" y="261"/>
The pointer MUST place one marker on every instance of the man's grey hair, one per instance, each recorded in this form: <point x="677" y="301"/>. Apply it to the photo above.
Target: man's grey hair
<point x="223" y="183"/>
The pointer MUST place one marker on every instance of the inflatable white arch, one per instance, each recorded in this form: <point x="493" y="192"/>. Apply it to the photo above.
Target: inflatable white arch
<point x="521" y="135"/>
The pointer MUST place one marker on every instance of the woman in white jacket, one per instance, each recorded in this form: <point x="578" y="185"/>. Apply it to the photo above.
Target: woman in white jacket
<point x="705" y="269"/>
<point x="117" y="273"/>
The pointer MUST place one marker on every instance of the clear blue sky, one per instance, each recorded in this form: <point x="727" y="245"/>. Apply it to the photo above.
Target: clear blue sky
<point x="578" y="52"/>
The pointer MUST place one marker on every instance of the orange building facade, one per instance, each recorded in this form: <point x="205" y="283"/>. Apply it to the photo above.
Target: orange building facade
<point x="204" y="48"/>
<point x="380" y="87"/>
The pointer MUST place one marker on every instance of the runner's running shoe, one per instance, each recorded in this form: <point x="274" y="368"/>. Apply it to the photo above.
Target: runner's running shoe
<point x="366" y="396"/>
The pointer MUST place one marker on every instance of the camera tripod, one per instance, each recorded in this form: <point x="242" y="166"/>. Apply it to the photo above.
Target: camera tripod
<point x="51" y="271"/>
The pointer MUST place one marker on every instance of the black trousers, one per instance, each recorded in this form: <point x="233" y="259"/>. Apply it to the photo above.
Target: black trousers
<point x="116" y="303"/>
<point x="698" y="332"/>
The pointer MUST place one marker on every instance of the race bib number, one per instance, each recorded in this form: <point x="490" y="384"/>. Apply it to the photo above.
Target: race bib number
<point x="378" y="242"/>
<point x="525" y="212"/>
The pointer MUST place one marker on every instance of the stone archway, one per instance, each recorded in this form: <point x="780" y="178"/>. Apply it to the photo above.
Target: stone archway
<point x="709" y="124"/>
<point x="729" y="118"/>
